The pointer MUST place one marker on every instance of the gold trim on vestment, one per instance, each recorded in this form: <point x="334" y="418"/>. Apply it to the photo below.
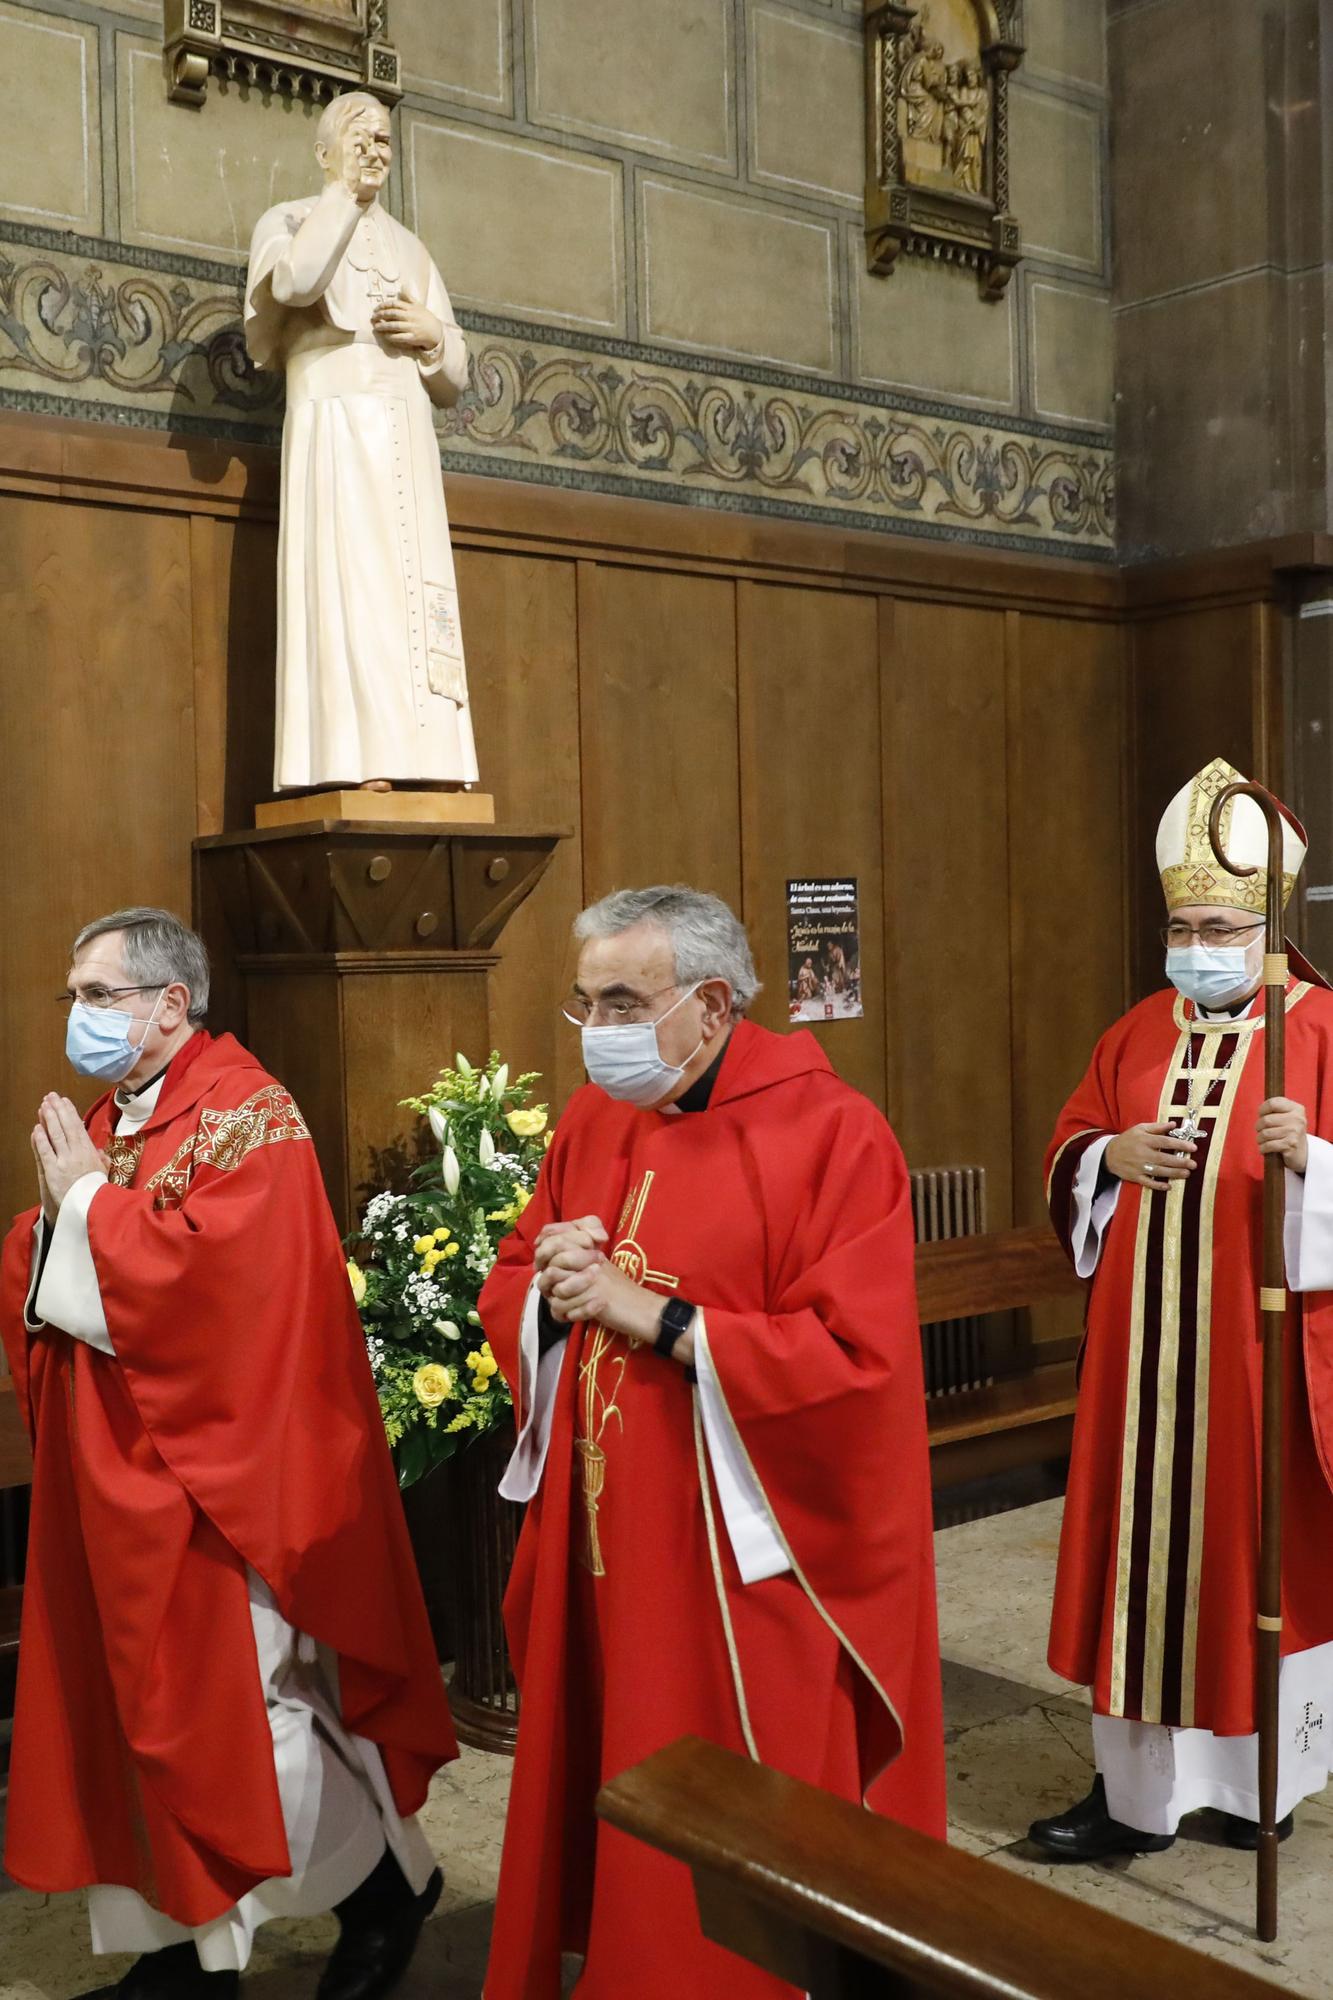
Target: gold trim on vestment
<point x="1201" y="1079"/>
<point x="1272" y="1298"/>
<point x="1203" y="1352"/>
<point x="719" y="1581"/>
<point x="796" y="1569"/>
<point x="1086" y="1132"/>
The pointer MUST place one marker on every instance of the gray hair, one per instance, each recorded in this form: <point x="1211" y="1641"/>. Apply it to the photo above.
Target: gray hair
<point x="707" y="940"/>
<point x="339" y="114"/>
<point x="159" y="951"/>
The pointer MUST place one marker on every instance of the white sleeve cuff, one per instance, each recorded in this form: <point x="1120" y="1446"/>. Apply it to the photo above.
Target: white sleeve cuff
<point x="754" y="1543"/>
<point x="1092" y="1211"/>
<point x="69" y="1295"/>
<point x="538" y="1376"/>
<point x="1308" y="1235"/>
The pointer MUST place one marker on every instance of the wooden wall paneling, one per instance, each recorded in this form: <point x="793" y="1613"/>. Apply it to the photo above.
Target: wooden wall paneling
<point x="520" y="621"/>
<point x="810" y="791"/>
<point x="658" y="730"/>
<point x="97" y="731"/>
<point x="294" y="1022"/>
<point x="947" y="889"/>
<point x="233" y="579"/>
<point x="1068" y="862"/>
<point x="1195" y="680"/>
<point x="393" y="1027"/>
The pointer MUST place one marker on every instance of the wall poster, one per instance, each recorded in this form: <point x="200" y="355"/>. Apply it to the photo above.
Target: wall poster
<point x="824" y="950"/>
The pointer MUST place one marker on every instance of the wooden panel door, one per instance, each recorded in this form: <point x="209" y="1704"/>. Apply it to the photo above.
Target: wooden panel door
<point x="520" y="630"/>
<point x="657" y="701"/>
<point x="96" y="732"/>
<point x="947" y="889"/>
<point x="1067" y="858"/>
<point x="810" y="791"/>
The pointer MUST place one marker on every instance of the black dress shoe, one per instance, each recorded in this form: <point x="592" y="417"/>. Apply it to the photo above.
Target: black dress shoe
<point x="381" y="1922"/>
<point x="1245" y="1832"/>
<point x="1087" y="1832"/>
<point x="173" y="1974"/>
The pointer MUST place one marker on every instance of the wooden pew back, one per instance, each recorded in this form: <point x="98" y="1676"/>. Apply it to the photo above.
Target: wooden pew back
<point x="847" y="1906"/>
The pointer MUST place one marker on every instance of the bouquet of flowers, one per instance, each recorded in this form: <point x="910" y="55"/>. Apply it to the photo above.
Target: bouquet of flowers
<point x="421" y="1259"/>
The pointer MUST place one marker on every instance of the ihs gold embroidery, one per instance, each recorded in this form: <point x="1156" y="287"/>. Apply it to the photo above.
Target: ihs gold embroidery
<point x="599" y="1398"/>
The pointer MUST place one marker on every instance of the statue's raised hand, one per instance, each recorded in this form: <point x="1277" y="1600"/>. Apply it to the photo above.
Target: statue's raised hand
<point x="363" y="164"/>
<point x="401" y="322"/>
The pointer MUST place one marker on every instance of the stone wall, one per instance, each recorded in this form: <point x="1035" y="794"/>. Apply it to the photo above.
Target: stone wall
<point x="649" y="218"/>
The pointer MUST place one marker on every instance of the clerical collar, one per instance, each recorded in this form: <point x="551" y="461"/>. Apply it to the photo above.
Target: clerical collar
<point x="126" y="1098"/>
<point x="700" y="1092"/>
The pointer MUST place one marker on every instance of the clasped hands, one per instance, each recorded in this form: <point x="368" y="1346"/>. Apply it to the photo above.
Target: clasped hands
<point x="1151" y="1156"/>
<point x="63" y="1151"/>
<point x="579" y="1282"/>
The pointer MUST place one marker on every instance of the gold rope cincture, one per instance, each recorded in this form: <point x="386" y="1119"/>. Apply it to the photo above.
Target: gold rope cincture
<point x="719" y="1582"/>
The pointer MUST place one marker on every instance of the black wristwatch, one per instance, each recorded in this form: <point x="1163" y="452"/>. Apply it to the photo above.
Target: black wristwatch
<point x="677" y="1318"/>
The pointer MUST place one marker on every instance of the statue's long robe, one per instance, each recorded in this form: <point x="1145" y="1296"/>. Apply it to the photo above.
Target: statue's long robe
<point x="782" y="1211"/>
<point x="371" y="677"/>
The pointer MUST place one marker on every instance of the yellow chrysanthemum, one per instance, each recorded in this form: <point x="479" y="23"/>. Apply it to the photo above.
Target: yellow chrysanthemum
<point x="421" y="1244"/>
<point x="526" y="1124"/>
<point x="357" y="1279"/>
<point x="480" y="1383"/>
<point x="443" y="1235"/>
<point x="431" y="1384"/>
<point x="451" y="1249"/>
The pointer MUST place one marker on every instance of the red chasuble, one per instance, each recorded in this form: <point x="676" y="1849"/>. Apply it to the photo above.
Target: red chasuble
<point x="782" y="1211"/>
<point x="237" y="1425"/>
<point x="1156" y="1589"/>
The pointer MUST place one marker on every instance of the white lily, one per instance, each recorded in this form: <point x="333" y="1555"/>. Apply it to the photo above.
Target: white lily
<point x="500" y="1080"/>
<point x="474" y="1319"/>
<point x="439" y="1124"/>
<point x="448" y="1328"/>
<point x="462" y="1065"/>
<point x="486" y="1148"/>
<point x="452" y="1174"/>
<point x="483" y="1088"/>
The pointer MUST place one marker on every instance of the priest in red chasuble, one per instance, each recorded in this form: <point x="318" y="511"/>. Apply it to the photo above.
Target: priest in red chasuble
<point x="229" y="1707"/>
<point x="708" y="1320"/>
<point x="1156" y="1187"/>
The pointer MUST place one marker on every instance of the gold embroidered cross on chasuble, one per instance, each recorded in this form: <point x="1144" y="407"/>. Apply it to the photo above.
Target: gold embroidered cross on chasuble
<point x="602" y="1368"/>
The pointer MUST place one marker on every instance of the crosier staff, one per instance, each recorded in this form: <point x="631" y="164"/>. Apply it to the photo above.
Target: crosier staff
<point x="1273" y="1307"/>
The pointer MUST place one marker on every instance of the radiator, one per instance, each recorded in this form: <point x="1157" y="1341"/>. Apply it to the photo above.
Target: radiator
<point x="951" y="1201"/>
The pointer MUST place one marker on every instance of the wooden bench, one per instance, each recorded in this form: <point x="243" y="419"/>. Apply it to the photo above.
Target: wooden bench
<point x="844" y="1905"/>
<point x="1027" y="1418"/>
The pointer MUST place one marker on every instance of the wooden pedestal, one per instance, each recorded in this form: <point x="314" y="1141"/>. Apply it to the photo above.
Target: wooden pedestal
<point x="353" y="961"/>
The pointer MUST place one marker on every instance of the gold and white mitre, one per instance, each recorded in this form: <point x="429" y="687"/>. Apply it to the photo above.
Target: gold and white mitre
<point x="1191" y="872"/>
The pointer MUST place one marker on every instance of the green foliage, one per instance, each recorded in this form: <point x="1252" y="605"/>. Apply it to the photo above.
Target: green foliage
<point x="422" y="1257"/>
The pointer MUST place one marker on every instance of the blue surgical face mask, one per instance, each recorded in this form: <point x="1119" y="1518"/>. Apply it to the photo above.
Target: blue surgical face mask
<point x="97" y="1040"/>
<point x="1212" y="976"/>
<point x="627" y="1063"/>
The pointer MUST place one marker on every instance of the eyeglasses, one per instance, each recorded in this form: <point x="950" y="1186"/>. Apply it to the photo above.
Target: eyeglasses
<point x="102" y="996"/>
<point x="581" y="1013"/>
<point x="1178" y="936"/>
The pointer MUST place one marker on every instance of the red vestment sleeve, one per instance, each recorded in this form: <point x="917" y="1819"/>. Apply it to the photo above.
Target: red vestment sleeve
<point x="235" y="1332"/>
<point x="825" y="1393"/>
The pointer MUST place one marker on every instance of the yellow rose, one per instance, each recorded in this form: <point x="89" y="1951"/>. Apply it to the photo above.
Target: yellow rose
<point x="526" y="1124"/>
<point x="432" y="1383"/>
<point x="357" y="1279"/>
